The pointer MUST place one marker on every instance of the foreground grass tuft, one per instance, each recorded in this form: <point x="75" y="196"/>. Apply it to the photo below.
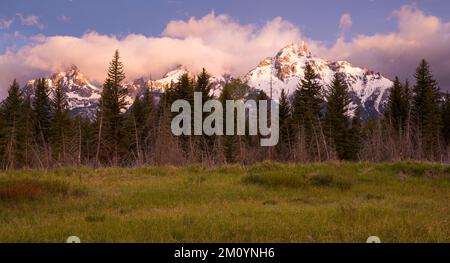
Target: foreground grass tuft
<point x="31" y="189"/>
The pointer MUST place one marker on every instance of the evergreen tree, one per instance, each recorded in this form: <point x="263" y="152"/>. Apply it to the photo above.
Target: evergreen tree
<point x="355" y="137"/>
<point x="407" y="97"/>
<point x="232" y="90"/>
<point x="183" y="89"/>
<point x="426" y="110"/>
<point x="85" y="139"/>
<point x="337" y="120"/>
<point x="27" y="131"/>
<point x="42" y="111"/>
<point x="150" y="118"/>
<point x="11" y="116"/>
<point x="61" y="123"/>
<point x="141" y="122"/>
<point x="397" y="112"/>
<point x="110" y="118"/>
<point x="206" y="143"/>
<point x="203" y="85"/>
<point x="306" y="111"/>
<point x="284" y="147"/>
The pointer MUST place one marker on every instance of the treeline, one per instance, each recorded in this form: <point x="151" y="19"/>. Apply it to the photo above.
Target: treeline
<point x="39" y="132"/>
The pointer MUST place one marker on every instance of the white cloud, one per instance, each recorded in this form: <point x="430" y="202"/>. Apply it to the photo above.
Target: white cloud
<point x="223" y="45"/>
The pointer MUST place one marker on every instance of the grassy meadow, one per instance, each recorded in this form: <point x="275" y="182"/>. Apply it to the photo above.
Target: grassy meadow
<point x="266" y="202"/>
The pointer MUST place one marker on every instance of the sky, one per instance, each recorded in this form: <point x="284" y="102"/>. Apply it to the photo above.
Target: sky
<point x="38" y="37"/>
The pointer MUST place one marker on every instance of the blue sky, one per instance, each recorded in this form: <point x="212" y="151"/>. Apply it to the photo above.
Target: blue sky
<point x="39" y="37"/>
<point x="318" y="19"/>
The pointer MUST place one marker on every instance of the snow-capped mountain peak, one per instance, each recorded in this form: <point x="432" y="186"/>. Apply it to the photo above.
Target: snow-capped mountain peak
<point x="82" y="95"/>
<point x="368" y="89"/>
<point x="170" y="77"/>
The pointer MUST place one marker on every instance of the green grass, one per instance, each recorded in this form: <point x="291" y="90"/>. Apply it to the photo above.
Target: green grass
<point x="266" y="202"/>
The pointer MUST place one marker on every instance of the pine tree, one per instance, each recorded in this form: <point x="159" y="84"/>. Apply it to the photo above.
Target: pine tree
<point x="203" y="85"/>
<point x="337" y="119"/>
<point x="60" y="128"/>
<point x="110" y="119"/>
<point x="284" y="147"/>
<point x="355" y="137"/>
<point x="397" y="112"/>
<point x="11" y="116"/>
<point x="407" y="97"/>
<point x="166" y="150"/>
<point x="206" y="143"/>
<point x="85" y="139"/>
<point x="150" y="118"/>
<point x="27" y="131"/>
<point x="426" y="110"/>
<point x="230" y="143"/>
<point x="306" y="111"/>
<point x="141" y="121"/>
<point x="183" y="89"/>
<point x="42" y="111"/>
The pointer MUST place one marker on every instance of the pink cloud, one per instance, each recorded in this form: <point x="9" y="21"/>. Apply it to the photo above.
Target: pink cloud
<point x="30" y="20"/>
<point x="223" y="45"/>
<point x="398" y="53"/>
<point x="6" y="23"/>
<point x="345" y="22"/>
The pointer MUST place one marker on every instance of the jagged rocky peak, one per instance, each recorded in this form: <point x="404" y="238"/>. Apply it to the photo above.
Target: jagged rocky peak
<point x="82" y="96"/>
<point x="71" y="74"/>
<point x="170" y="77"/>
<point x="369" y="90"/>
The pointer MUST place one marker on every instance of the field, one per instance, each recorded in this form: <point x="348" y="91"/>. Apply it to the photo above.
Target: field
<point x="266" y="202"/>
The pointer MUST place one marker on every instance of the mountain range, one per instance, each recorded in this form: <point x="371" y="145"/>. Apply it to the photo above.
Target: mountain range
<point x="369" y="90"/>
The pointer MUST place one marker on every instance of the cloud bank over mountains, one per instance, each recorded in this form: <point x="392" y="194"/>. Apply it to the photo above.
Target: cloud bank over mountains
<point x="223" y="45"/>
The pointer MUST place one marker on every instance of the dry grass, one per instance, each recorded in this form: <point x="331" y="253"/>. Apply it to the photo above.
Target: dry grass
<point x="31" y="189"/>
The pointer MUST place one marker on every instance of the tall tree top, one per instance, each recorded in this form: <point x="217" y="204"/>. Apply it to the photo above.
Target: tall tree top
<point x="14" y="92"/>
<point x="203" y="84"/>
<point x="12" y="103"/>
<point x="115" y="71"/>
<point x="424" y="78"/>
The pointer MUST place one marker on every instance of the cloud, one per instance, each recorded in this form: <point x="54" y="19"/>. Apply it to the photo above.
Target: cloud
<point x="6" y="23"/>
<point x="398" y="53"/>
<point x="31" y="20"/>
<point x="345" y="23"/>
<point x="65" y="19"/>
<point x="223" y="45"/>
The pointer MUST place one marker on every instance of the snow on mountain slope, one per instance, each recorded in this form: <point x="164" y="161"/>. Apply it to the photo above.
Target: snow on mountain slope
<point x="217" y="82"/>
<point x="170" y="77"/>
<point x="82" y="96"/>
<point x="368" y="89"/>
